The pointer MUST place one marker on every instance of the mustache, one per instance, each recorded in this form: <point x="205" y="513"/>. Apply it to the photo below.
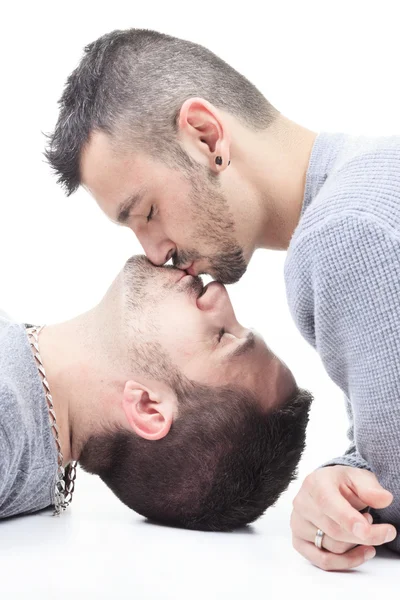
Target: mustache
<point x="197" y="286"/>
<point x="184" y="258"/>
<point x="228" y="266"/>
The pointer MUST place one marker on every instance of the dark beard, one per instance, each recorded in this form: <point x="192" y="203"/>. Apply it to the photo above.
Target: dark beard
<point x="214" y="226"/>
<point x="228" y="266"/>
<point x="137" y="273"/>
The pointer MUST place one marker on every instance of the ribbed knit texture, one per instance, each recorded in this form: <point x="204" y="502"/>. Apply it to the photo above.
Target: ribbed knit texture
<point x="342" y="277"/>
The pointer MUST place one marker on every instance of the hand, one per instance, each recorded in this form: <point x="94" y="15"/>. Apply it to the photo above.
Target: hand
<point x="330" y="499"/>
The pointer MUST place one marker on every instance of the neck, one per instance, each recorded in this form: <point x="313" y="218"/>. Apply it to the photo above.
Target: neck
<point x="76" y="378"/>
<point x="276" y="160"/>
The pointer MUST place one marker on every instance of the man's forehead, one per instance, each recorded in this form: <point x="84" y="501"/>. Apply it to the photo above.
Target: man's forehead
<point x="102" y="156"/>
<point x="108" y="173"/>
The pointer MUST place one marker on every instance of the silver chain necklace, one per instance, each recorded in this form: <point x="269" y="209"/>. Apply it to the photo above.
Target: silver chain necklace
<point x="65" y="480"/>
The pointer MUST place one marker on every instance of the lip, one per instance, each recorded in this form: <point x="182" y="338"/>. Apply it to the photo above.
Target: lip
<point x="192" y="284"/>
<point x="182" y="275"/>
<point x="190" y="269"/>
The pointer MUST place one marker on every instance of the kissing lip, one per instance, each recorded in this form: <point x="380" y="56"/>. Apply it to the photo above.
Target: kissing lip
<point x="190" y="270"/>
<point x="181" y="276"/>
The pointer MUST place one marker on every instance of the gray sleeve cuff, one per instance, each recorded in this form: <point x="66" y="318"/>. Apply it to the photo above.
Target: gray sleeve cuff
<point x="348" y="460"/>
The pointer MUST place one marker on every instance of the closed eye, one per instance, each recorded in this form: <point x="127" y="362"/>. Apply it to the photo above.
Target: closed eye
<point x="150" y="215"/>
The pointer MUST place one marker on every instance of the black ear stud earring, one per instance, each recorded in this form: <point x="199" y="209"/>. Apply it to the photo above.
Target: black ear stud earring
<point x="218" y="161"/>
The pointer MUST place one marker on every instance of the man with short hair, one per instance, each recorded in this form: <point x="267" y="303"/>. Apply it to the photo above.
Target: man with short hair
<point x="187" y="416"/>
<point x="177" y="145"/>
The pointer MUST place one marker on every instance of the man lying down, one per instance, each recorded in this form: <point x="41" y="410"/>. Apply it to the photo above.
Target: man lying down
<point x="187" y="416"/>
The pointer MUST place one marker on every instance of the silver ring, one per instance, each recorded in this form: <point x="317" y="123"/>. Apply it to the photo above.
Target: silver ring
<point x="318" y="539"/>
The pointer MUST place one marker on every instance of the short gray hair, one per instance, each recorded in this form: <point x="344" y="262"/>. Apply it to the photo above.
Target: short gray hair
<point x="131" y="84"/>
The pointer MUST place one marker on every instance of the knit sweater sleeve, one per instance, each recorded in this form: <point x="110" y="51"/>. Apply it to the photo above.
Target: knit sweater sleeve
<point x="343" y="281"/>
<point x="351" y="458"/>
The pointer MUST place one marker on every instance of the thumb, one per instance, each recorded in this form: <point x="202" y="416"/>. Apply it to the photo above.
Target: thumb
<point x="368" y="489"/>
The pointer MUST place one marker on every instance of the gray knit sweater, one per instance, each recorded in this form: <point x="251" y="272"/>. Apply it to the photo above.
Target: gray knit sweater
<point x="342" y="277"/>
<point x="28" y="454"/>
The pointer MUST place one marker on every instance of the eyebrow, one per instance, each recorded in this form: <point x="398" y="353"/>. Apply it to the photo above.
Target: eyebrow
<point x="245" y="347"/>
<point x="126" y="206"/>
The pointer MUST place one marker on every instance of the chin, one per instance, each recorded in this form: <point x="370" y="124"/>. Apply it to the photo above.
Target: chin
<point x="137" y="261"/>
<point x="227" y="276"/>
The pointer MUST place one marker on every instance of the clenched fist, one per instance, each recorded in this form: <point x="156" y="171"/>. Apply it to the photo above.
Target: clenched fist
<point x="330" y="499"/>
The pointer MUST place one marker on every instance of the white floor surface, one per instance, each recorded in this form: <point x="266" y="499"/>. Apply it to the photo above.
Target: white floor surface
<point x="100" y="550"/>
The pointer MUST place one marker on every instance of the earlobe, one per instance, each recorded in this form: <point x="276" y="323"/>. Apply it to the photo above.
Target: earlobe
<point x="148" y="413"/>
<point x="204" y="133"/>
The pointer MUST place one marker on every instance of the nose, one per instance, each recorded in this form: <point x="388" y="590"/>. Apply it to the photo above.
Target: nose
<point x="158" y="253"/>
<point x="216" y="302"/>
<point x="215" y="297"/>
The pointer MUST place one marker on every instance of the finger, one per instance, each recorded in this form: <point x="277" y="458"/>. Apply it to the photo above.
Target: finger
<point x="338" y="543"/>
<point x="376" y="535"/>
<point x="307" y="531"/>
<point x="329" y="561"/>
<point x="368" y="517"/>
<point x="367" y="488"/>
<point x="331" y="503"/>
<point x="352" y="498"/>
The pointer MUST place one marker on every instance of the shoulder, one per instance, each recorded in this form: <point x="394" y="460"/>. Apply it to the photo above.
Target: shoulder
<point x="347" y="259"/>
<point x="8" y="395"/>
<point x="8" y="423"/>
<point x="339" y="240"/>
<point x="10" y="409"/>
<point x="364" y="181"/>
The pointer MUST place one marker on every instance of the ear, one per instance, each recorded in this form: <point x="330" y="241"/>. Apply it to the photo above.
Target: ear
<point x="204" y="133"/>
<point x="149" y="410"/>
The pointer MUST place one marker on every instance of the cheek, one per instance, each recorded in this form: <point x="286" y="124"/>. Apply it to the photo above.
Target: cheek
<point x="178" y="221"/>
<point x="175" y="337"/>
<point x="181" y="335"/>
<point x="183" y="352"/>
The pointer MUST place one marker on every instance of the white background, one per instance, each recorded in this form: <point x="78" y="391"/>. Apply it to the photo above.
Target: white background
<point x="331" y="66"/>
